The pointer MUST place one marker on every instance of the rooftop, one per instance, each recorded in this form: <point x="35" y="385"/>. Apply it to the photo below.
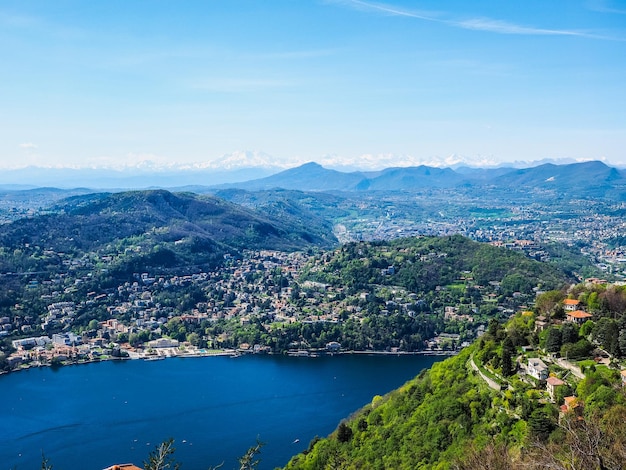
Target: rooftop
<point x="579" y="314"/>
<point x="554" y="381"/>
<point x="124" y="466"/>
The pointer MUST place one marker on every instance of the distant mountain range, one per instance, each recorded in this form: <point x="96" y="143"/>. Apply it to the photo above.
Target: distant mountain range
<point x="588" y="179"/>
<point x="240" y="166"/>
<point x="592" y="179"/>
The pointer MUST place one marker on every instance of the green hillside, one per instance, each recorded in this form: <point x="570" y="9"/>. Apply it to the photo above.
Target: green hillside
<point x="450" y="417"/>
<point x="150" y="229"/>
<point x="425" y="263"/>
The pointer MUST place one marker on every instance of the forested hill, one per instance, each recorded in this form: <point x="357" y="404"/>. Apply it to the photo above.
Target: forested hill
<point x="426" y="264"/>
<point x="159" y="227"/>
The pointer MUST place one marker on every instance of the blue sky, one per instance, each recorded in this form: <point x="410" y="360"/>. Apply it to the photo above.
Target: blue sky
<point x="123" y="82"/>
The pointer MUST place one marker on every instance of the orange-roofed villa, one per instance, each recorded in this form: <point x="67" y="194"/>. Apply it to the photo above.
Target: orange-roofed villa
<point x="571" y="404"/>
<point x="578" y="316"/>
<point x="124" y="466"/>
<point x="570" y="304"/>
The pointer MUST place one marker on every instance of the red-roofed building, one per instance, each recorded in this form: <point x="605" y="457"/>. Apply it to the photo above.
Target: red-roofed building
<point x="551" y="385"/>
<point x="578" y="316"/>
<point x="123" y="466"/>
<point x="570" y="305"/>
<point x="572" y="404"/>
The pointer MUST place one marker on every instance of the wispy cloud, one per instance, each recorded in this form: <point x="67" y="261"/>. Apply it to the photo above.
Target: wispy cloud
<point x="504" y="27"/>
<point x="28" y="146"/>
<point x="475" y="24"/>
<point x="604" y="6"/>
<point x="389" y="9"/>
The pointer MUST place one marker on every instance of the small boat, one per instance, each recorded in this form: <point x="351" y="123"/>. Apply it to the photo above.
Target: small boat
<point x="154" y="358"/>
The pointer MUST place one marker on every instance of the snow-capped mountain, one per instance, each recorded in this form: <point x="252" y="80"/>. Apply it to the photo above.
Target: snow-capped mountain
<point x="242" y="159"/>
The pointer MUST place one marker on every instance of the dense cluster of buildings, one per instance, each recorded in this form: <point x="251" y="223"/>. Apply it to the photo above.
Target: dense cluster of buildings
<point x="259" y="287"/>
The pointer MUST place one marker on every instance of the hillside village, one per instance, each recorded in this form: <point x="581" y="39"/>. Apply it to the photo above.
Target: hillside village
<point x="156" y="316"/>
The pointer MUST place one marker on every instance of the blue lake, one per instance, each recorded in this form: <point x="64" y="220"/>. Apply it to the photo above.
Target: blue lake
<point x="95" y="415"/>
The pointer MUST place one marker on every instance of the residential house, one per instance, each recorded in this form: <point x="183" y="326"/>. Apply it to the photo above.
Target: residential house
<point x="578" y="316"/>
<point x="551" y="385"/>
<point x="571" y="404"/>
<point x="124" y="466"/>
<point x="541" y="323"/>
<point x="537" y="368"/>
<point x="570" y="305"/>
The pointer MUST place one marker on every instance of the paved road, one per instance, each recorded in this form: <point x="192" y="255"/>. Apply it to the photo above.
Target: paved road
<point x="489" y="381"/>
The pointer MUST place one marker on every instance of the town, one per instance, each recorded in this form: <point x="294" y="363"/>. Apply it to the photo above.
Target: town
<point x="140" y="324"/>
<point x="259" y="303"/>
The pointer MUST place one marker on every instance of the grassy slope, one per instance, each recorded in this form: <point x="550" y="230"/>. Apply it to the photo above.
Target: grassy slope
<point x="424" y="424"/>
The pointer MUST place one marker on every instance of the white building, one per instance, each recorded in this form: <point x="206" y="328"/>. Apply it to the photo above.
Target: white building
<point x="537" y="369"/>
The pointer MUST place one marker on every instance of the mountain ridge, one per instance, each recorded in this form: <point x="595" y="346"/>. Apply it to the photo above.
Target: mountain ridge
<point x="586" y="179"/>
<point x="251" y="168"/>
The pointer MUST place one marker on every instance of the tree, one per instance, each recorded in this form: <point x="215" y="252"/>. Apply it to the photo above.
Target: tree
<point x="622" y="340"/>
<point x="592" y="443"/>
<point x="553" y="340"/>
<point x="546" y="302"/>
<point x="248" y="460"/>
<point x="161" y="457"/>
<point x="491" y="457"/>
<point x="592" y="302"/>
<point x="4" y="363"/>
<point x="606" y="332"/>
<point x="45" y="463"/>
<point x="508" y="349"/>
<point x="579" y="350"/>
<point x="133" y="339"/>
<point x="540" y="424"/>
<point x="559" y="312"/>
<point x="586" y="329"/>
<point x="493" y="327"/>
<point x="344" y="433"/>
<point x="569" y="333"/>
<point x="193" y="338"/>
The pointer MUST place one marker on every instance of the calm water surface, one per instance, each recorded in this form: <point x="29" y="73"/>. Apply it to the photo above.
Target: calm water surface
<point x="92" y="416"/>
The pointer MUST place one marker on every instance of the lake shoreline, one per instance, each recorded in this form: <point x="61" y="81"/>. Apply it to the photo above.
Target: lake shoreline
<point x="233" y="353"/>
